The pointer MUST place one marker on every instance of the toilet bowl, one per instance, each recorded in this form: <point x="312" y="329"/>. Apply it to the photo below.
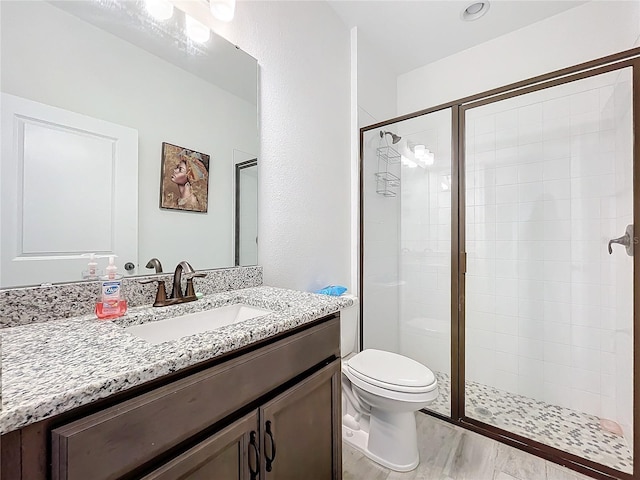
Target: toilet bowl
<point x="381" y="393"/>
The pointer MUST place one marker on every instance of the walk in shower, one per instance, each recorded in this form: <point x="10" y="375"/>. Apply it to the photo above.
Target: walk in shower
<point x="485" y="256"/>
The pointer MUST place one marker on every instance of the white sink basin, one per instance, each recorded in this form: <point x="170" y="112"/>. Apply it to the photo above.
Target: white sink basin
<point x="178" y="327"/>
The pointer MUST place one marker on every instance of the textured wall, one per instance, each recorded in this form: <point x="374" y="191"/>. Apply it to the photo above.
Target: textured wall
<point x="304" y="164"/>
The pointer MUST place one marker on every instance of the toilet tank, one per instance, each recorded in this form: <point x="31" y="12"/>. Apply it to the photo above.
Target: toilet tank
<point x="349" y="326"/>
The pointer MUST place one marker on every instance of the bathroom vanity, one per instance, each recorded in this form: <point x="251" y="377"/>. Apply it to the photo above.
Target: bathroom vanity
<point x="269" y="408"/>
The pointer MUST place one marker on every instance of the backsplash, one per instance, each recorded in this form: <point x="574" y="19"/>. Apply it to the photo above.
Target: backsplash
<point x="22" y="306"/>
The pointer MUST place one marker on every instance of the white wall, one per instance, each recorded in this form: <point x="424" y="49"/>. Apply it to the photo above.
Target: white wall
<point x="303" y="52"/>
<point x="50" y="56"/>
<point x="583" y="33"/>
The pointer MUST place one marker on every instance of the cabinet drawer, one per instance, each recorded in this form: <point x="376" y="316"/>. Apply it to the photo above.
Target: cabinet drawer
<point x="113" y="442"/>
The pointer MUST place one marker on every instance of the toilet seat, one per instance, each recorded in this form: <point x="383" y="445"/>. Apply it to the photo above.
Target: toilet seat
<point x="391" y="371"/>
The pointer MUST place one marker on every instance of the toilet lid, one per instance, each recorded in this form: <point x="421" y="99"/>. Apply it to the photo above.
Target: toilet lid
<point x="392" y="371"/>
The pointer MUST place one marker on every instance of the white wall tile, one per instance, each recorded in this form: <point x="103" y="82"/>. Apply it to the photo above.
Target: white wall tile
<point x="507" y="175"/>
<point x="559" y="127"/>
<point x="530" y="172"/>
<point x="506" y="194"/>
<point x="506" y="138"/>
<point x="507" y="212"/>
<point x="556" y="108"/>
<point x="557" y="189"/>
<point x="559" y="271"/>
<point x="531" y="152"/>
<point x="556" y="355"/>
<point x="530" y="192"/>
<point x="530" y="114"/>
<point x="556" y="148"/>
<point x="557" y="333"/>
<point x="585" y="380"/>
<point x="585" y="358"/>
<point x="557" y="209"/>
<point x="557" y="251"/>
<point x="556" y="169"/>
<point x="556" y="291"/>
<point x="557" y="373"/>
<point x="530" y="289"/>
<point x="584" y="401"/>
<point x="506" y="343"/>
<point x="531" y="211"/>
<point x="585" y="337"/>
<point x="507" y="382"/>
<point x="557" y="312"/>
<point x="506" y="306"/>
<point x="530" y="348"/>
<point x="506" y="287"/>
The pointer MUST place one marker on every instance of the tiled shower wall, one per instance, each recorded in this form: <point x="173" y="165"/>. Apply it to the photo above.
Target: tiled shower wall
<point x="548" y="309"/>
<point x="381" y="220"/>
<point x="425" y="241"/>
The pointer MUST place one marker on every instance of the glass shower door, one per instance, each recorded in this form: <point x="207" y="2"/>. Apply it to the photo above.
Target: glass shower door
<point x="406" y="280"/>
<point x="548" y="321"/>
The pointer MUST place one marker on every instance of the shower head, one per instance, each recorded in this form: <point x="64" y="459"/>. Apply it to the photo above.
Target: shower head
<point x="394" y="138"/>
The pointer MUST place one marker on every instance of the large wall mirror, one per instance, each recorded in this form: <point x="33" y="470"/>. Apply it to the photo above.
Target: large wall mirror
<point x="90" y="92"/>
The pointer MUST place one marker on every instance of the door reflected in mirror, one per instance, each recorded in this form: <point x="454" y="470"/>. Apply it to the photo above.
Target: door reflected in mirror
<point x="113" y="62"/>
<point x="246" y="215"/>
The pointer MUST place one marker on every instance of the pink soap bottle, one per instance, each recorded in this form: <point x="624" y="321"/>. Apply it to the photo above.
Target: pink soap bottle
<point x="111" y="303"/>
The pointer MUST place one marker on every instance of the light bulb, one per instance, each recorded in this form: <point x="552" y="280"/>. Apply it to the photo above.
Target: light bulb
<point x="429" y="158"/>
<point x="159" y="9"/>
<point x="223" y="10"/>
<point x="419" y="150"/>
<point x="196" y="30"/>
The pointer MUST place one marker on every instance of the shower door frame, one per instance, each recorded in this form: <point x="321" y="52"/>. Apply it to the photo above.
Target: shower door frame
<point x="625" y="59"/>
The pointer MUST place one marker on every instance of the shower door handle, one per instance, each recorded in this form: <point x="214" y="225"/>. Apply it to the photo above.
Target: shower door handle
<point x="627" y="240"/>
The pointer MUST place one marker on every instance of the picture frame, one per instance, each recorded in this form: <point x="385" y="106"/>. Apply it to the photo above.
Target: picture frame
<point x="184" y="180"/>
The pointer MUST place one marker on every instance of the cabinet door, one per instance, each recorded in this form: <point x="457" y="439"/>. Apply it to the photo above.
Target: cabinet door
<point x="230" y="454"/>
<point x="301" y="430"/>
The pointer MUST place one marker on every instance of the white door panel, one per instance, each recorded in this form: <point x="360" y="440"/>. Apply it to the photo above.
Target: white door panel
<point x="68" y="187"/>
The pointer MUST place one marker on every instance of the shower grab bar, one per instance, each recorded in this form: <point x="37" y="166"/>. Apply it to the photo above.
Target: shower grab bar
<point x="627" y="240"/>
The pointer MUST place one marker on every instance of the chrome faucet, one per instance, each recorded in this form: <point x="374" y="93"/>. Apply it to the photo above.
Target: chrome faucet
<point x="154" y="263"/>
<point x="183" y="267"/>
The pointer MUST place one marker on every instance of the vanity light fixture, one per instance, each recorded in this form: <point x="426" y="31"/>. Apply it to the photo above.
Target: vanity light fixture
<point x="424" y="155"/>
<point x="409" y="163"/>
<point x="196" y="31"/>
<point x="159" y="9"/>
<point x="474" y="11"/>
<point x="223" y="10"/>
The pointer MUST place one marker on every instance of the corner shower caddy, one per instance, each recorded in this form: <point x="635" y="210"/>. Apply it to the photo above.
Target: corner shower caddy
<point x="387" y="182"/>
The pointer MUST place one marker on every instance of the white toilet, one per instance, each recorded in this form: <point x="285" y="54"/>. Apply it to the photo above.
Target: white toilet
<point x="381" y="393"/>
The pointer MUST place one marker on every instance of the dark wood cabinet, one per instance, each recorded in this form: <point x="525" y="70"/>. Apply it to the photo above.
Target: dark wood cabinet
<point x="271" y="411"/>
<point x="298" y="429"/>
<point x="230" y="454"/>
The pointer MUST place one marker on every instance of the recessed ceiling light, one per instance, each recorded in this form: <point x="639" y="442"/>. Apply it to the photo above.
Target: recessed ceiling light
<point x="474" y="11"/>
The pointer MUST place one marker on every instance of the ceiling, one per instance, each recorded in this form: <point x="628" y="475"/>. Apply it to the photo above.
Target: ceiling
<point x="410" y="34"/>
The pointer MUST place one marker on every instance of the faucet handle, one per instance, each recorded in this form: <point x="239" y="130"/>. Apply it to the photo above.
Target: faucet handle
<point x="190" y="289"/>
<point x="161" y="293"/>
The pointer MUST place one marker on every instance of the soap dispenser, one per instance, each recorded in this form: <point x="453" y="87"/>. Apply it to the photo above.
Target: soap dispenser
<point x="92" y="272"/>
<point x="111" y="303"/>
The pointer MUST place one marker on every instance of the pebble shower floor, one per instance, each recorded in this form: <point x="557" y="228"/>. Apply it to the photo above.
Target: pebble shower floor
<point x="569" y="430"/>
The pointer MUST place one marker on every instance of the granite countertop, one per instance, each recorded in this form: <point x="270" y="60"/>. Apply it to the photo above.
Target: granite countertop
<point x="51" y="367"/>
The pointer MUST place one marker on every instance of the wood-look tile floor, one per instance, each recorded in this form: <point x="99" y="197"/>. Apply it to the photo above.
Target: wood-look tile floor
<point x="448" y="452"/>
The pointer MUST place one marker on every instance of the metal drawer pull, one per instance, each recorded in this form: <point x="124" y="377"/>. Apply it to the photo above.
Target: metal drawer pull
<point x="270" y="458"/>
<point x="252" y="443"/>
